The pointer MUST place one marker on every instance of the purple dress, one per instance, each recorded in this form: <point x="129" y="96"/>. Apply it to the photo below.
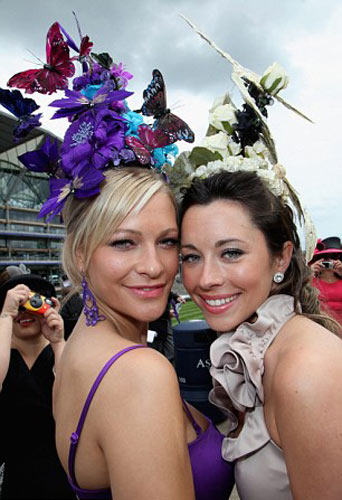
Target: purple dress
<point x="213" y="476"/>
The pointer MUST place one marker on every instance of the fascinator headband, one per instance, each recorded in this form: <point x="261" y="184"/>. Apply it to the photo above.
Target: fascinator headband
<point x="103" y="132"/>
<point x="240" y="139"/>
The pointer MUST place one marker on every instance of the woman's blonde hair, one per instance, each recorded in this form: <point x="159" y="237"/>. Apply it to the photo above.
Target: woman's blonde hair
<point x="90" y="222"/>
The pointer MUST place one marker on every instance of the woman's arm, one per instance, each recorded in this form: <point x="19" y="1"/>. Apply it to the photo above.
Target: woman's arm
<point x="142" y="433"/>
<point x="6" y="325"/>
<point x="308" y="413"/>
<point x="14" y="297"/>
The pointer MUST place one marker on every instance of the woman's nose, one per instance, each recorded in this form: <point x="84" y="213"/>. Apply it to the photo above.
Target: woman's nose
<point x="211" y="275"/>
<point x="150" y="263"/>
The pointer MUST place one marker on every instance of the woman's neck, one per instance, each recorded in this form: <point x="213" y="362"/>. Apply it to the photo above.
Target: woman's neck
<point x="29" y="348"/>
<point x="328" y="276"/>
<point x="127" y="327"/>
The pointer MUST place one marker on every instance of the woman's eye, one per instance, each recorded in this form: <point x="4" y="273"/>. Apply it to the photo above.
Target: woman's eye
<point x="232" y="253"/>
<point x="169" y="242"/>
<point x="189" y="258"/>
<point x="122" y="244"/>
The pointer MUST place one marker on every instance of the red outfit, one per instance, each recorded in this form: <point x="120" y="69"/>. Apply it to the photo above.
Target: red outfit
<point x="330" y="297"/>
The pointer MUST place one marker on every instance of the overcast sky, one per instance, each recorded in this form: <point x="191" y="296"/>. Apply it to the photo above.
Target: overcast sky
<point x="304" y="36"/>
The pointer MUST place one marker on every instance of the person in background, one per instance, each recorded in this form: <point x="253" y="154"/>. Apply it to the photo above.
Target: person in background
<point x="30" y="349"/>
<point x="163" y="340"/>
<point x="326" y="265"/>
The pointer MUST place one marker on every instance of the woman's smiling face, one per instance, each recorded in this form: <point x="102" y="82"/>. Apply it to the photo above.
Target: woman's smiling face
<point x="134" y="271"/>
<point x="227" y="267"/>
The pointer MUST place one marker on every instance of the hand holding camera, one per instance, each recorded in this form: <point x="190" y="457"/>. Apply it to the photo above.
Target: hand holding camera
<point x="317" y="267"/>
<point x="14" y="297"/>
<point x="332" y="264"/>
<point x="36" y="304"/>
<point x="52" y="323"/>
<point x="327" y="264"/>
<point x="338" y="267"/>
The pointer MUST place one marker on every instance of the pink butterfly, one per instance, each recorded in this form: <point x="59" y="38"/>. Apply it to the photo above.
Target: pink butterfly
<point x="147" y="141"/>
<point x="53" y="75"/>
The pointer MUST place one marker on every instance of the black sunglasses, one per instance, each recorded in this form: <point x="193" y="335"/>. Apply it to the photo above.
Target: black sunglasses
<point x="332" y="256"/>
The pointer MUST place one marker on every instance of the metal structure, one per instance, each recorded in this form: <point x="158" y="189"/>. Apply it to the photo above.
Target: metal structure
<point x="23" y="237"/>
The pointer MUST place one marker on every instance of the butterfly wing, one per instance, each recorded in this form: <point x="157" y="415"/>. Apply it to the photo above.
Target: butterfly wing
<point x="86" y="46"/>
<point x="140" y="150"/>
<point x="155" y="105"/>
<point x="153" y="138"/>
<point x="155" y="96"/>
<point x="18" y="105"/>
<point x="25" y="80"/>
<point x="58" y="56"/>
<point x="53" y="76"/>
<point x="175" y="128"/>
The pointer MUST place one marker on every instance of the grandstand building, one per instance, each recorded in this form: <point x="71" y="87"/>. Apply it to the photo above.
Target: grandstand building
<point x="23" y="237"/>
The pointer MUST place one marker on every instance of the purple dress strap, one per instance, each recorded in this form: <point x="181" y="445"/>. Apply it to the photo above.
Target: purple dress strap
<point x="75" y="435"/>
<point x="195" y="425"/>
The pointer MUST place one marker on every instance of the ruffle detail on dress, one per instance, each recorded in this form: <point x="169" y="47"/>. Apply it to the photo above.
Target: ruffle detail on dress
<point x="237" y="367"/>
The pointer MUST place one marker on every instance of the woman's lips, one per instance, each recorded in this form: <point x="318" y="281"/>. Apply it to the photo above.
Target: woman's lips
<point x="147" y="292"/>
<point x="24" y="322"/>
<point x="218" y="304"/>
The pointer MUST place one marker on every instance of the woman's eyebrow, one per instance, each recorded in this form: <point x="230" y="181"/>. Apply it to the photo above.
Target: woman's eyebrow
<point x="189" y="246"/>
<point x="220" y="243"/>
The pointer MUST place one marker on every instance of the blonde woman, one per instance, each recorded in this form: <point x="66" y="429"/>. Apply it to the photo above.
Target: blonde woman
<point x="129" y="431"/>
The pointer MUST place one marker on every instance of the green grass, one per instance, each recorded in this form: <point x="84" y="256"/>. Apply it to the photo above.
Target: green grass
<point x="188" y="311"/>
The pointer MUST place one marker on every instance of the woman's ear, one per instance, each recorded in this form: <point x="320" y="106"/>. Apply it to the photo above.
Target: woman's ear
<point x="283" y="261"/>
<point x="80" y="260"/>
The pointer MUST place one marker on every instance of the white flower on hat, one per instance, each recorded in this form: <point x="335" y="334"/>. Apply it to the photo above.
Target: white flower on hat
<point x="223" y="117"/>
<point x="258" y="149"/>
<point x="218" y="101"/>
<point x="233" y="147"/>
<point x="217" y="142"/>
<point x="274" y="79"/>
<point x="238" y="163"/>
<point x="201" y="172"/>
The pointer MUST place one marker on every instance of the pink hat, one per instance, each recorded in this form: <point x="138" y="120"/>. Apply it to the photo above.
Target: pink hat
<point x="326" y="246"/>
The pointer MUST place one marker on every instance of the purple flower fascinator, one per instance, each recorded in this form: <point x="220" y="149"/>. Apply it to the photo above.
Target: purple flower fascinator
<point x="103" y="132"/>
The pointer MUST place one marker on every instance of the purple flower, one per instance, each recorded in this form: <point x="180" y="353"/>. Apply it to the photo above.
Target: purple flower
<point x="120" y="75"/>
<point x="44" y="159"/>
<point x="97" y="76"/>
<point x="26" y="124"/>
<point x="95" y="137"/>
<point x="22" y="108"/>
<point x="85" y="183"/>
<point x="127" y="155"/>
<point x="77" y="103"/>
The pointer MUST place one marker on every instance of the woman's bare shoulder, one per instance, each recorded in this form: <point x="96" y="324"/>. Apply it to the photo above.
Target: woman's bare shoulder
<point x="140" y="370"/>
<point x="307" y="352"/>
<point x="306" y="401"/>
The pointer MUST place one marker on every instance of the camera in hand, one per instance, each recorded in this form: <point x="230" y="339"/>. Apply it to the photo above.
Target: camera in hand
<point x="37" y="304"/>
<point x="328" y="264"/>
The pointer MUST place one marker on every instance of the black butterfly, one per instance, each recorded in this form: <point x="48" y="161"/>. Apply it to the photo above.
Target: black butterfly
<point x="155" y="105"/>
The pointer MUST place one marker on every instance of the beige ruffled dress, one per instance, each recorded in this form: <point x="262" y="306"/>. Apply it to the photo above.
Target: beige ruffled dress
<point x="237" y="368"/>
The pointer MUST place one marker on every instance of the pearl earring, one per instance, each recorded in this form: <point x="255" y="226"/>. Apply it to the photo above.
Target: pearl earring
<point x="278" y="277"/>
